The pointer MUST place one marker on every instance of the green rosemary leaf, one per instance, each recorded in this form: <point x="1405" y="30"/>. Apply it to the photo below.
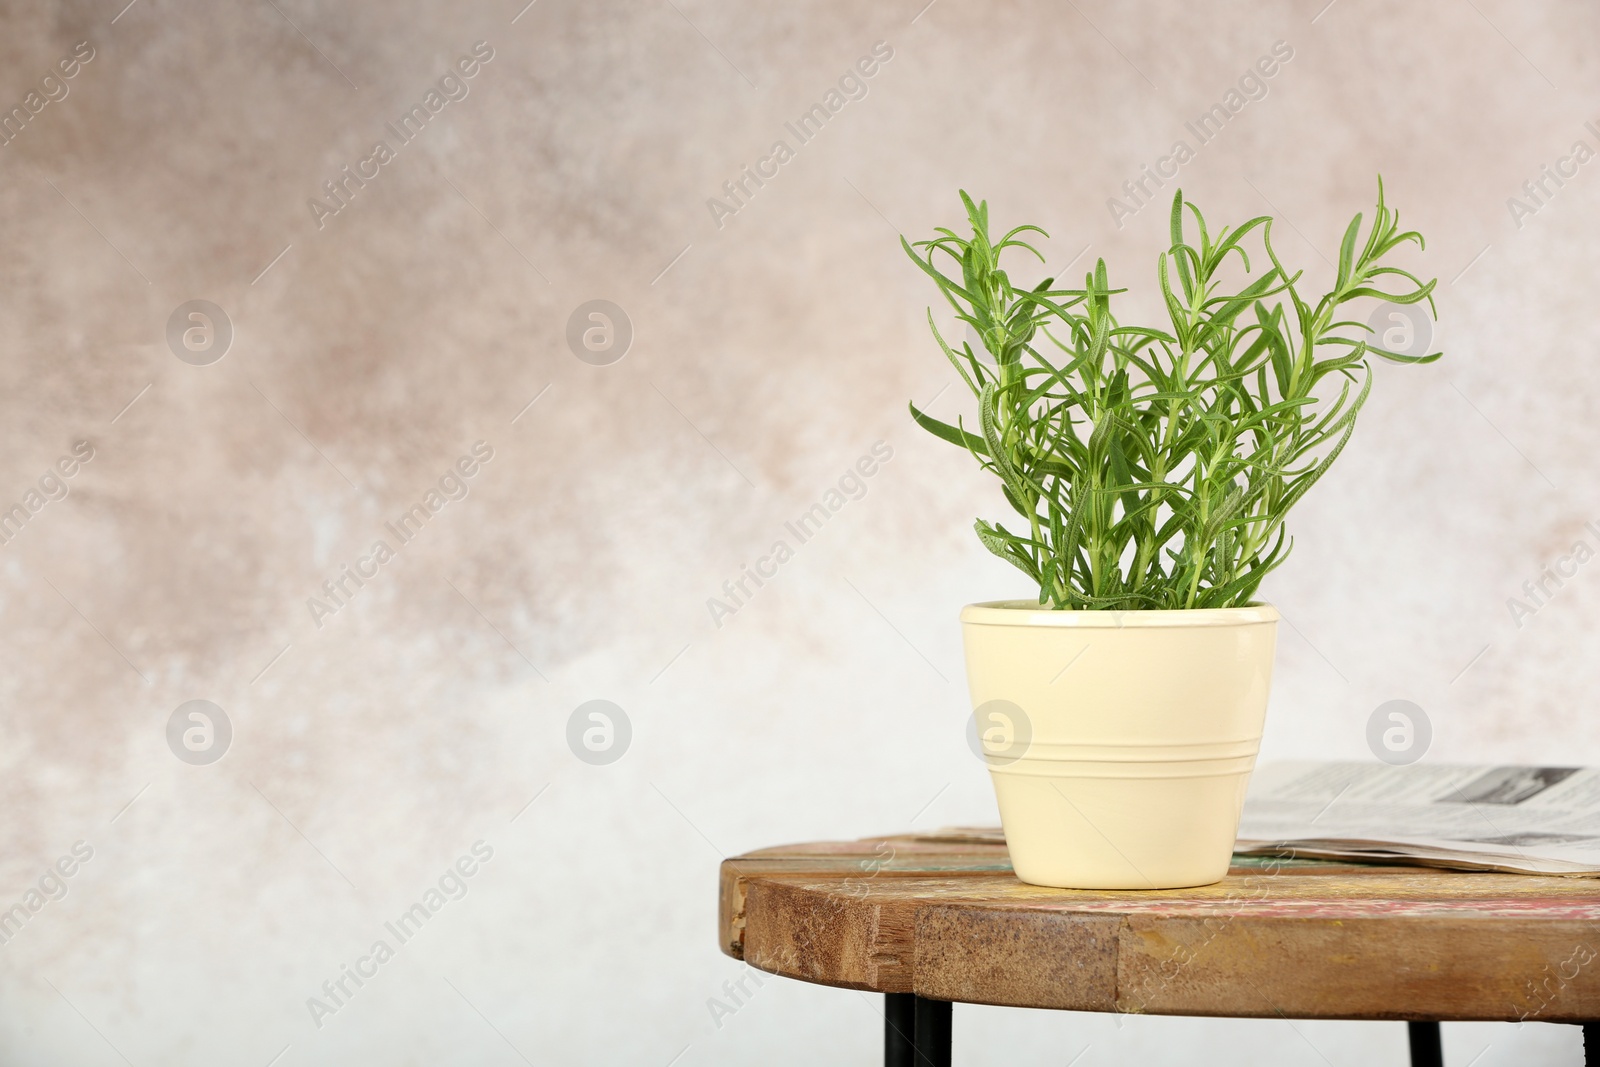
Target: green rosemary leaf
<point x="943" y="430"/>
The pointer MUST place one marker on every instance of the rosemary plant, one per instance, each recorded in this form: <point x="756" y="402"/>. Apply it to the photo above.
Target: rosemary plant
<point x="1153" y="467"/>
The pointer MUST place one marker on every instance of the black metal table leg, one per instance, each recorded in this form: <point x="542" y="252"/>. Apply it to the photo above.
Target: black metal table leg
<point x="916" y="1031"/>
<point x="1426" y="1049"/>
<point x="933" y="1033"/>
<point x="1591" y="1043"/>
<point x="899" y="1030"/>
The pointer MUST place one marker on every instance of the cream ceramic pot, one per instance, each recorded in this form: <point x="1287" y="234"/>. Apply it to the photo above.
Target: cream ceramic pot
<point x="1119" y="743"/>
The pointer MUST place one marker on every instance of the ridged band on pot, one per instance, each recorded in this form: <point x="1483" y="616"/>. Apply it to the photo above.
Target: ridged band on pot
<point x="1126" y="739"/>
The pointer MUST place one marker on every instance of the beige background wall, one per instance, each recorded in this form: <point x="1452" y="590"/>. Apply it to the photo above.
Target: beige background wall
<point x="769" y="353"/>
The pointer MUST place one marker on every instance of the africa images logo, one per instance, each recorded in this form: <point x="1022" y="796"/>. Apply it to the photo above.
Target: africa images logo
<point x="451" y="87"/>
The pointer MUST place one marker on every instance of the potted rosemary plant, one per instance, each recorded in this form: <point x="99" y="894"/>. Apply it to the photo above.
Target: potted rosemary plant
<point x="1152" y="469"/>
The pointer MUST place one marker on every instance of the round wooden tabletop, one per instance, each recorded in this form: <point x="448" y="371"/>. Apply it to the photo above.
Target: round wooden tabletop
<point x="947" y="919"/>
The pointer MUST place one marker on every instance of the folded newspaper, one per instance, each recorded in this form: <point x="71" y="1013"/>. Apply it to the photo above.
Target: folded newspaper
<point x="1525" y="820"/>
<point x="1530" y="820"/>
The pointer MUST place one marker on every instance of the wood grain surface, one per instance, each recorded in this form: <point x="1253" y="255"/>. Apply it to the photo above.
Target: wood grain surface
<point x="1291" y="938"/>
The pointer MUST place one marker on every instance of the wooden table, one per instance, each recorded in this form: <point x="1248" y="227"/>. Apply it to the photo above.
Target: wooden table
<point x="930" y="921"/>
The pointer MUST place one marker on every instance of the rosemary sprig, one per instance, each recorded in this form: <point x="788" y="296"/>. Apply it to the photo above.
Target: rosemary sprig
<point x="1154" y="467"/>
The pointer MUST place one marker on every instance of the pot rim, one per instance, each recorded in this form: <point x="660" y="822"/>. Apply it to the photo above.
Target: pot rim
<point x="1029" y="613"/>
